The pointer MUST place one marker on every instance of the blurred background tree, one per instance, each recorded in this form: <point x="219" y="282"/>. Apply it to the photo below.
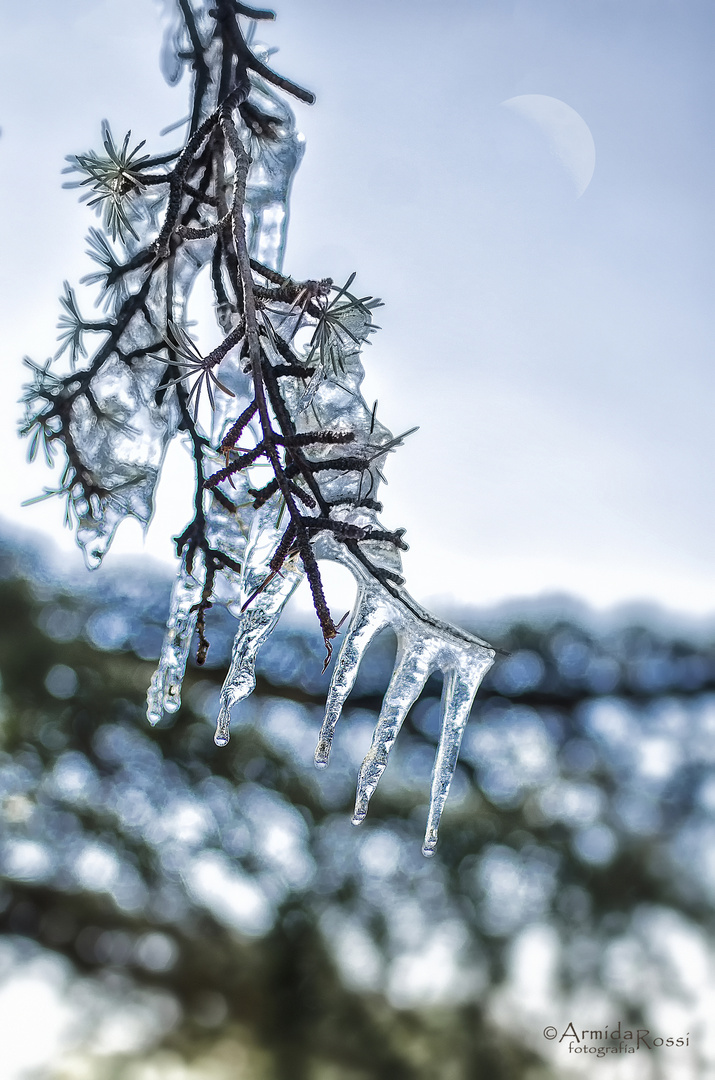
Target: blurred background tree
<point x="199" y="912"/>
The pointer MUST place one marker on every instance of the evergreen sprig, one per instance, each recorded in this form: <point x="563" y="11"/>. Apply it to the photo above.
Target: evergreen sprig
<point x="113" y="179"/>
<point x="260" y="311"/>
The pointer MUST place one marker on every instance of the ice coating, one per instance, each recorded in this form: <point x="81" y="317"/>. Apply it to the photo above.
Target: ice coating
<point x="172" y="41"/>
<point x="424" y="643"/>
<point x="122" y="436"/>
<point x="321" y="448"/>
<point x="330" y="399"/>
<point x="249" y="536"/>
<point x="274" y="162"/>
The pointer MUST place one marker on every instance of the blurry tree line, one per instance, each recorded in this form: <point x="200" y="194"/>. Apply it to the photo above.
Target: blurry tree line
<point x="219" y="905"/>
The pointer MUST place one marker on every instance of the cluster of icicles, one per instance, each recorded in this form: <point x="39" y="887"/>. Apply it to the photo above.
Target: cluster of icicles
<point x="126" y="447"/>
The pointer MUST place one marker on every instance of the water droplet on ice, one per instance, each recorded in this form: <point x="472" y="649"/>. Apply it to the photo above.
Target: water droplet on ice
<point x="322" y="755"/>
<point x="222" y="736"/>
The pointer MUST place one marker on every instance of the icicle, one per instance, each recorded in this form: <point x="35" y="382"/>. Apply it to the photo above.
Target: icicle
<point x="408" y="679"/>
<point x="460" y="687"/>
<point x="173" y="37"/>
<point x="255" y="624"/>
<point x="122" y="439"/>
<point x="258" y="599"/>
<point x="424" y="645"/>
<point x="421" y="651"/>
<point x="274" y="162"/>
<point x="164" y="693"/>
<point x="369" y="617"/>
<point x="97" y="522"/>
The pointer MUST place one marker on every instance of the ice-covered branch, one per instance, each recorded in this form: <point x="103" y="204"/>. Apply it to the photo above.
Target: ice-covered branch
<point x="296" y="409"/>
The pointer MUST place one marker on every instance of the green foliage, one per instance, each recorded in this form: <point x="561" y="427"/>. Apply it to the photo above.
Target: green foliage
<point x="112" y="180"/>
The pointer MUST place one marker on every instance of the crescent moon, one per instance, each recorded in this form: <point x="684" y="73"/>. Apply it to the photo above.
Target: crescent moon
<point x="567" y="133"/>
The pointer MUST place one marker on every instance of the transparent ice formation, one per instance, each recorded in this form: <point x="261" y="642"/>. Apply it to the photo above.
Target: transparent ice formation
<point x="120" y="435"/>
<point x="125" y="440"/>
<point x="274" y="163"/>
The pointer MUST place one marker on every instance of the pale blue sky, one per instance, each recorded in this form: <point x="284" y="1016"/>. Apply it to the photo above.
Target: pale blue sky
<point x="556" y="352"/>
